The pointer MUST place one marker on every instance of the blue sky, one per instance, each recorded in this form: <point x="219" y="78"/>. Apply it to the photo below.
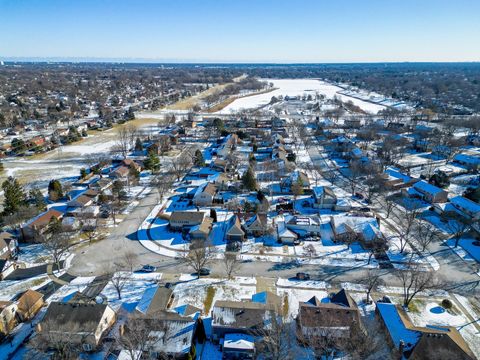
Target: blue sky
<point x="243" y="30"/>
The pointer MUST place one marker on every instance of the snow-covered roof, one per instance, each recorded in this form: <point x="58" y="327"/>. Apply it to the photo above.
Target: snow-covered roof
<point x="396" y="328"/>
<point x="425" y="187"/>
<point x="466" y="204"/>
<point x="239" y="342"/>
<point x="394" y="173"/>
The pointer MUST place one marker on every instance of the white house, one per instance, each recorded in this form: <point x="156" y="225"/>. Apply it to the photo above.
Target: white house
<point x="204" y="194"/>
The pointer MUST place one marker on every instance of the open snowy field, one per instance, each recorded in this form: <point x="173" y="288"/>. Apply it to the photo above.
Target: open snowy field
<point x="296" y="87"/>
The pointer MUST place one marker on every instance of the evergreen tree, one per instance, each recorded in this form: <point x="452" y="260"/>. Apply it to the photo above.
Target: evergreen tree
<point x="36" y="197"/>
<point x="83" y="173"/>
<point x="213" y="215"/>
<point x="152" y="162"/>
<point x="248" y="180"/>
<point x="55" y="190"/>
<point x="14" y="196"/>
<point x="138" y="145"/>
<point x="198" y="158"/>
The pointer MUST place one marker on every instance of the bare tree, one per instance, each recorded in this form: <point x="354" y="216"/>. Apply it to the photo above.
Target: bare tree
<point x="56" y="241"/>
<point x="230" y="263"/>
<point x="457" y="225"/>
<point x="425" y="235"/>
<point x="129" y="259"/>
<point x="413" y="281"/>
<point x="52" y="335"/>
<point x="277" y="342"/>
<point x="135" y="336"/>
<point x="118" y="279"/>
<point x="371" y="281"/>
<point x="199" y="255"/>
<point x="125" y="139"/>
<point x="309" y="251"/>
<point x="405" y="226"/>
<point x="163" y="183"/>
<point x="180" y="165"/>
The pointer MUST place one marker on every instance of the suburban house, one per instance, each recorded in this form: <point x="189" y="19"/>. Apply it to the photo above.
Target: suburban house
<point x="296" y="177"/>
<point x="29" y="304"/>
<point x="468" y="208"/>
<point x="201" y="231"/>
<point x="470" y="161"/>
<point x="154" y="300"/>
<point x="8" y="246"/>
<point x="6" y="268"/>
<point x="338" y="317"/>
<point x="83" y="324"/>
<point x="8" y="319"/>
<point x="364" y="229"/>
<point x="427" y="192"/>
<point x="131" y="164"/>
<point x="394" y="179"/>
<point x="421" y="343"/>
<point x="257" y="225"/>
<point x="235" y="232"/>
<point x="303" y="225"/>
<point x="80" y="201"/>
<point x="120" y="173"/>
<point x="286" y="236"/>
<point x="243" y="317"/>
<point x="324" y="197"/>
<point x="180" y="220"/>
<point x="34" y="229"/>
<point x="204" y="194"/>
<point x="171" y="334"/>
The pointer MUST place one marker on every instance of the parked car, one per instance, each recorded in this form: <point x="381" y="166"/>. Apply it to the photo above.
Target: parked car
<point x="148" y="268"/>
<point x="204" y="272"/>
<point x="303" y="276"/>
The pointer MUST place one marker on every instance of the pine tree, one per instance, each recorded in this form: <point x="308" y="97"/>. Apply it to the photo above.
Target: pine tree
<point x="55" y="190"/>
<point x="14" y="196"/>
<point x="199" y="160"/>
<point x="152" y="162"/>
<point x="138" y="145"/>
<point x="83" y="173"/>
<point x="248" y="180"/>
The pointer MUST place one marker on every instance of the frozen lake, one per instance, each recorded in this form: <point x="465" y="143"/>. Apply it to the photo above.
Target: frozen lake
<point x="297" y="87"/>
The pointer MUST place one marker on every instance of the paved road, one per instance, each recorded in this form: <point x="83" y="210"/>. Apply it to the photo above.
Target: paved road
<point x="97" y="257"/>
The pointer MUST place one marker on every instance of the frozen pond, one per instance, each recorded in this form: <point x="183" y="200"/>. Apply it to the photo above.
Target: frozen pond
<point x="297" y="87"/>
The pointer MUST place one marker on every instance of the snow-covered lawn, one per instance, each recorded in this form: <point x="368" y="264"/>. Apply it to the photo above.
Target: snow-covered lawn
<point x="132" y="292"/>
<point x="466" y="249"/>
<point x="194" y="291"/>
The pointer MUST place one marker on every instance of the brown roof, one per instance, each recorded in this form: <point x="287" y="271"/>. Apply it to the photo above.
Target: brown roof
<point x="4" y="304"/>
<point x="28" y="299"/>
<point x="193" y="216"/>
<point x="91" y="193"/>
<point x="77" y="317"/>
<point x="83" y="199"/>
<point x="45" y="218"/>
<point x="210" y="189"/>
<point x="122" y="171"/>
<point x="341" y="311"/>
<point x="241" y="314"/>
<point x="205" y="227"/>
<point x="149" y="304"/>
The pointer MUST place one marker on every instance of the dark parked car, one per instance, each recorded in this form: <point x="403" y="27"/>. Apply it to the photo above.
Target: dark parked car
<point x="148" y="268"/>
<point x="303" y="276"/>
<point x="204" y="272"/>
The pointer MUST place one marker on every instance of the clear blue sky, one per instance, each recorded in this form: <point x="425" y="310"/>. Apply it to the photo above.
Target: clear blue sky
<point x="243" y="30"/>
